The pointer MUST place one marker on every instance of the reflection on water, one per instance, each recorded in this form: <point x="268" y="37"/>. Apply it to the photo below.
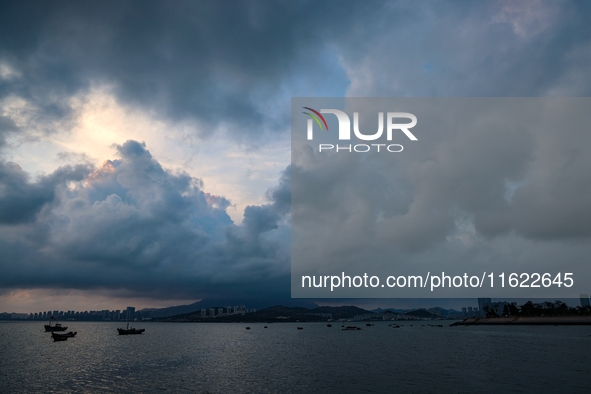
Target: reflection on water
<point x="223" y="358"/>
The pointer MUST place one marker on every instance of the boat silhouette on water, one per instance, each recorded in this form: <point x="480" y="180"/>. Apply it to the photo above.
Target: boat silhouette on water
<point x="63" y="337"/>
<point x="130" y="330"/>
<point x="54" y="327"/>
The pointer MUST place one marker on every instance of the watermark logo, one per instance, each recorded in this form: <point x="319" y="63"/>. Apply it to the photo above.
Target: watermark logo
<point x="316" y="115"/>
<point x="344" y="134"/>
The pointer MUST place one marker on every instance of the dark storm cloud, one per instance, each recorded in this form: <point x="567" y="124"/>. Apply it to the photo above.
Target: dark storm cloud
<point x="237" y="63"/>
<point x="217" y="62"/>
<point x="259" y="219"/>
<point x="21" y="200"/>
<point x="132" y="224"/>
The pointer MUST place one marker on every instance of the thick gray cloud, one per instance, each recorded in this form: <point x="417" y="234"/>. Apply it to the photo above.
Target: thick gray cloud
<point x="500" y="48"/>
<point x="218" y="63"/>
<point x="236" y="65"/>
<point x="21" y="200"/>
<point x="132" y="224"/>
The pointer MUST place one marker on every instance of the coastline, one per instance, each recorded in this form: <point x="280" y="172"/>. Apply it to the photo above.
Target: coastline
<point x="533" y="321"/>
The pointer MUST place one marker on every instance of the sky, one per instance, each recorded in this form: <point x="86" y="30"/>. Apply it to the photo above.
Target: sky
<point x="145" y="146"/>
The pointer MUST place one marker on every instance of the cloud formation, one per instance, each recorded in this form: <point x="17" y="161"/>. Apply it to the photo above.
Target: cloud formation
<point x="133" y="224"/>
<point x="223" y="66"/>
<point x="227" y="73"/>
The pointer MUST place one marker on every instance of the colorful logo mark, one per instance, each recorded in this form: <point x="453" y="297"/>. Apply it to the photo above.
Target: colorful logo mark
<point x="316" y="115"/>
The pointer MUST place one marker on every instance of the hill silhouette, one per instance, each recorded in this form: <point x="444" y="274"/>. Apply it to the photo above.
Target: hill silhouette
<point x="278" y="313"/>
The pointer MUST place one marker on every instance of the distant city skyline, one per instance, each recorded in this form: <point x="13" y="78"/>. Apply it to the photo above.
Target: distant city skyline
<point x="128" y="314"/>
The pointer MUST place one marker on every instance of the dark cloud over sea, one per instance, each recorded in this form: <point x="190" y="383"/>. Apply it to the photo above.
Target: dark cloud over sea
<point x="132" y="224"/>
<point x="237" y="64"/>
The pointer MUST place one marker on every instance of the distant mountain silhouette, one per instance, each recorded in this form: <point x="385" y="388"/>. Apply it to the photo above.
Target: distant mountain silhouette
<point x="341" y="312"/>
<point x="421" y="313"/>
<point x="280" y="313"/>
<point x="223" y="303"/>
<point x="388" y="310"/>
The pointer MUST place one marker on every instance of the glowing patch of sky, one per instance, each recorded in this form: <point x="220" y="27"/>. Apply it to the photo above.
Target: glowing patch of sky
<point x="39" y="300"/>
<point x="240" y="174"/>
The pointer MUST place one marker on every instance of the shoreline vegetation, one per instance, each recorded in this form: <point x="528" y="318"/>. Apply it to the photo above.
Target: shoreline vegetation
<point x="525" y="321"/>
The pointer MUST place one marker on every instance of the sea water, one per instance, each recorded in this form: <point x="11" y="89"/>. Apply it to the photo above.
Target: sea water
<point x="228" y="358"/>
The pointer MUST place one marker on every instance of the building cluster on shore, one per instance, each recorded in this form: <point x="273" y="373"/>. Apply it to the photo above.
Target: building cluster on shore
<point x="127" y="314"/>
<point x="227" y="311"/>
<point x="485" y="305"/>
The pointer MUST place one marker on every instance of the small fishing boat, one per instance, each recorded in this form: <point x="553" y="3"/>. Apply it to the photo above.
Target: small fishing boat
<point x="54" y="327"/>
<point x="63" y="337"/>
<point x="130" y="330"/>
<point x="58" y="337"/>
<point x="351" y="328"/>
<point x="68" y="334"/>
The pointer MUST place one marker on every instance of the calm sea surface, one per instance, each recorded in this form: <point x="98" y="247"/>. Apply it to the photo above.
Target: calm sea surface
<point x="227" y="358"/>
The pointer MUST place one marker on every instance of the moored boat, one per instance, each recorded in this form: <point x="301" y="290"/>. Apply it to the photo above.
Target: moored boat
<point x="58" y="338"/>
<point x="68" y="334"/>
<point x="130" y="330"/>
<point x="55" y="327"/>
